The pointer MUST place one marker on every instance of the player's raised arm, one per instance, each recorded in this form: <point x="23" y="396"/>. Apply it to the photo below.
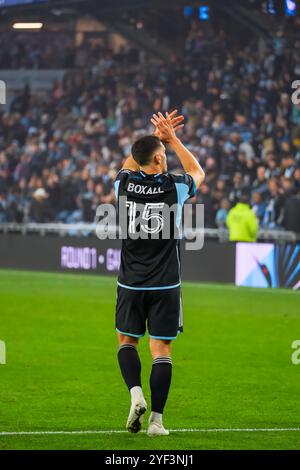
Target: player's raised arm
<point x="190" y="164"/>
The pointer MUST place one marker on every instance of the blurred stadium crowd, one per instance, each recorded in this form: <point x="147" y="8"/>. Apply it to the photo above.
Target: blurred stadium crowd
<point x="59" y="154"/>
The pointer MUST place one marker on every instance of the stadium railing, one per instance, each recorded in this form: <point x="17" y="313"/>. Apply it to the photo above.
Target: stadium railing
<point x="89" y="229"/>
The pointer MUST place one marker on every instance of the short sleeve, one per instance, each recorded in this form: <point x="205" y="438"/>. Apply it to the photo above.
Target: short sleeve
<point x="120" y="179"/>
<point x="190" y="182"/>
<point x="185" y="186"/>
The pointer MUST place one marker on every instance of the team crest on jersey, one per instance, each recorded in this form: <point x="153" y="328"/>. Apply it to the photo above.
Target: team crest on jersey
<point x="142" y="189"/>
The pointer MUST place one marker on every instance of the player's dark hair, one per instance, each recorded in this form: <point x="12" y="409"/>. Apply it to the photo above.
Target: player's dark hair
<point x="143" y="149"/>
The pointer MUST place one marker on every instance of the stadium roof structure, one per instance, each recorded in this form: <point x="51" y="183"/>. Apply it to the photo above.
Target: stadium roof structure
<point x="252" y="14"/>
<point x="163" y="20"/>
<point x="116" y="15"/>
<point x="96" y="5"/>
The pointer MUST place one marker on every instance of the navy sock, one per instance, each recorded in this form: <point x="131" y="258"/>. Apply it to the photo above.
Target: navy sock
<point x="130" y="365"/>
<point x="160" y="381"/>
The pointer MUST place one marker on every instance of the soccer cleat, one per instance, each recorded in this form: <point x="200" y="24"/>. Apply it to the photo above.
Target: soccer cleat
<point x="156" y="429"/>
<point x="136" y="415"/>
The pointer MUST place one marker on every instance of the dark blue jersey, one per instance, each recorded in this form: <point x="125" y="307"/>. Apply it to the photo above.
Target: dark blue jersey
<point x="151" y="261"/>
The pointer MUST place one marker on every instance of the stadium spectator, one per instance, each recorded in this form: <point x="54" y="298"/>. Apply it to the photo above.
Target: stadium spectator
<point x="237" y="189"/>
<point x="222" y="213"/>
<point x="272" y="212"/>
<point x="204" y="197"/>
<point x="40" y="210"/>
<point x="3" y="208"/>
<point x="260" y="182"/>
<point x="242" y="222"/>
<point x="258" y="206"/>
<point x="292" y="213"/>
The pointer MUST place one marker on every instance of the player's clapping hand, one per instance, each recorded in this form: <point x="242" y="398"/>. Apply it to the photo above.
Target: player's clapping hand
<point x="167" y="126"/>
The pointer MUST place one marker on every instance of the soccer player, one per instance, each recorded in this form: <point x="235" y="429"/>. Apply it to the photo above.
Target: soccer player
<point x="149" y="279"/>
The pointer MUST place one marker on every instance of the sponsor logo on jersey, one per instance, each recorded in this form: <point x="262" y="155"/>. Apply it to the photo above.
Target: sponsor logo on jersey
<point x="142" y="189"/>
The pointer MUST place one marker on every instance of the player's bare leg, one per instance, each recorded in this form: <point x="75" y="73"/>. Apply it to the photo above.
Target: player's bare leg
<point x="131" y="371"/>
<point x="160" y="381"/>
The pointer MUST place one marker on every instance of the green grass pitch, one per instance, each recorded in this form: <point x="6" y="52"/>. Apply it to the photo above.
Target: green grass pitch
<point x="232" y="366"/>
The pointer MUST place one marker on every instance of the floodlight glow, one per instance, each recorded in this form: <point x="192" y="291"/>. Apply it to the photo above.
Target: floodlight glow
<point x="27" y="25"/>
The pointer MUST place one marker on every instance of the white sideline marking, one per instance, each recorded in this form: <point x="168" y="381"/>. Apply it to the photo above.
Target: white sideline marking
<point x="121" y="431"/>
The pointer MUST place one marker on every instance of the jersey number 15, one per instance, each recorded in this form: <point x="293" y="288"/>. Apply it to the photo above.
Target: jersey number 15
<point x="148" y="214"/>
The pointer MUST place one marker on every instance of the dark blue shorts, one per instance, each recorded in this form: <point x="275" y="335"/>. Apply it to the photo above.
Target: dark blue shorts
<point x="158" y="310"/>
